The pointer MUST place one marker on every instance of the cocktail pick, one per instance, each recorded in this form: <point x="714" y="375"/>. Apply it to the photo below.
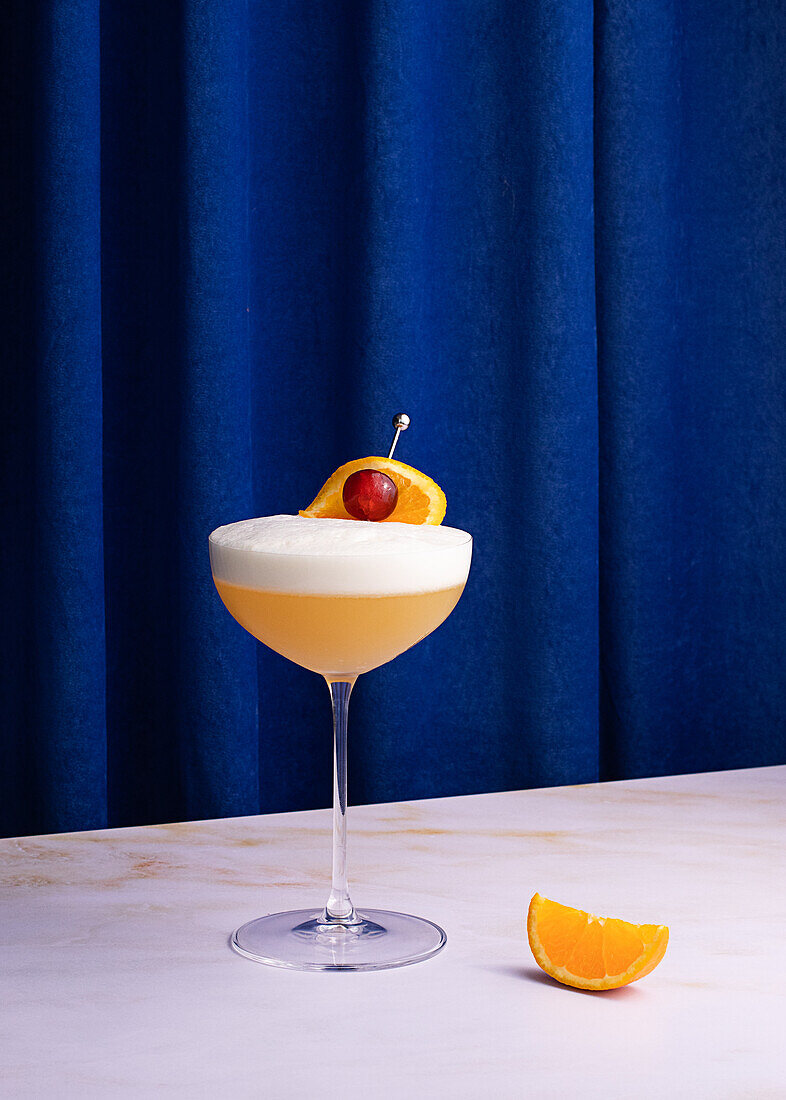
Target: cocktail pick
<point x="400" y="423"/>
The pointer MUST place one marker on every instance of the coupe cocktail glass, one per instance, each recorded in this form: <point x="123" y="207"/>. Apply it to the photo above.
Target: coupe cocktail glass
<point x="339" y="597"/>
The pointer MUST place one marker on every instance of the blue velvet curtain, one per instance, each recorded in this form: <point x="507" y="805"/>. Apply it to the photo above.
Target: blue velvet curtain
<point x="240" y="236"/>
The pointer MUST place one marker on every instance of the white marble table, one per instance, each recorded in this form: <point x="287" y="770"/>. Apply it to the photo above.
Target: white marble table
<point x="116" y="978"/>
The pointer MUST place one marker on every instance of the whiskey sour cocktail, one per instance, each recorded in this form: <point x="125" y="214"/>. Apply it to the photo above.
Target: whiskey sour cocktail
<point x="339" y="596"/>
<point x="363" y="574"/>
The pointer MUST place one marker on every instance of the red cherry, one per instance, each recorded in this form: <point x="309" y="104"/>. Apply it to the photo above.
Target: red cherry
<point x="369" y="494"/>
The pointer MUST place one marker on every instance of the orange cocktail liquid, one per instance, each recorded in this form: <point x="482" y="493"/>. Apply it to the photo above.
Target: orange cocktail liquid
<point x="338" y="636"/>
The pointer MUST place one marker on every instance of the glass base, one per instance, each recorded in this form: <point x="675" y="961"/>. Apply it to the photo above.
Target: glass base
<point x="302" y="940"/>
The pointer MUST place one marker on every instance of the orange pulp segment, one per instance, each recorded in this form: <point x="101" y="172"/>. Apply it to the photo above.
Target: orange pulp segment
<point x="590" y="952"/>
<point x="420" y="500"/>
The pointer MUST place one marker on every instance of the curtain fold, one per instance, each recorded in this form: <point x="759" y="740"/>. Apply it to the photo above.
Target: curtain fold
<point x="57" y="602"/>
<point x="243" y="236"/>
<point x="690" y="176"/>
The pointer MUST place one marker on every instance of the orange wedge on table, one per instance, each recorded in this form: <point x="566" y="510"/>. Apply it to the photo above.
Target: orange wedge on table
<point x="420" y="500"/>
<point x="590" y="952"/>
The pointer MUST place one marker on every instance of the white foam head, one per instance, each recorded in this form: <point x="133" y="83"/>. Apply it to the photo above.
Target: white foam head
<point x="339" y="556"/>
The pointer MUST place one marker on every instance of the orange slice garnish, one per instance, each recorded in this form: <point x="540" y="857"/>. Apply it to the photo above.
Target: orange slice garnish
<point x="420" y="500"/>
<point x="590" y="952"/>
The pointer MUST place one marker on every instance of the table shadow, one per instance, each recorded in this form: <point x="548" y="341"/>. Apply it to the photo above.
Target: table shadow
<point x="534" y="974"/>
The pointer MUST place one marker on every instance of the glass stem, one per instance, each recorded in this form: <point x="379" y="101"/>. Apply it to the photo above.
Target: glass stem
<point x="339" y="908"/>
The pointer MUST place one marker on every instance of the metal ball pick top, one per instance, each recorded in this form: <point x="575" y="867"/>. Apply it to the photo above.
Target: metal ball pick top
<point x="400" y="423"/>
